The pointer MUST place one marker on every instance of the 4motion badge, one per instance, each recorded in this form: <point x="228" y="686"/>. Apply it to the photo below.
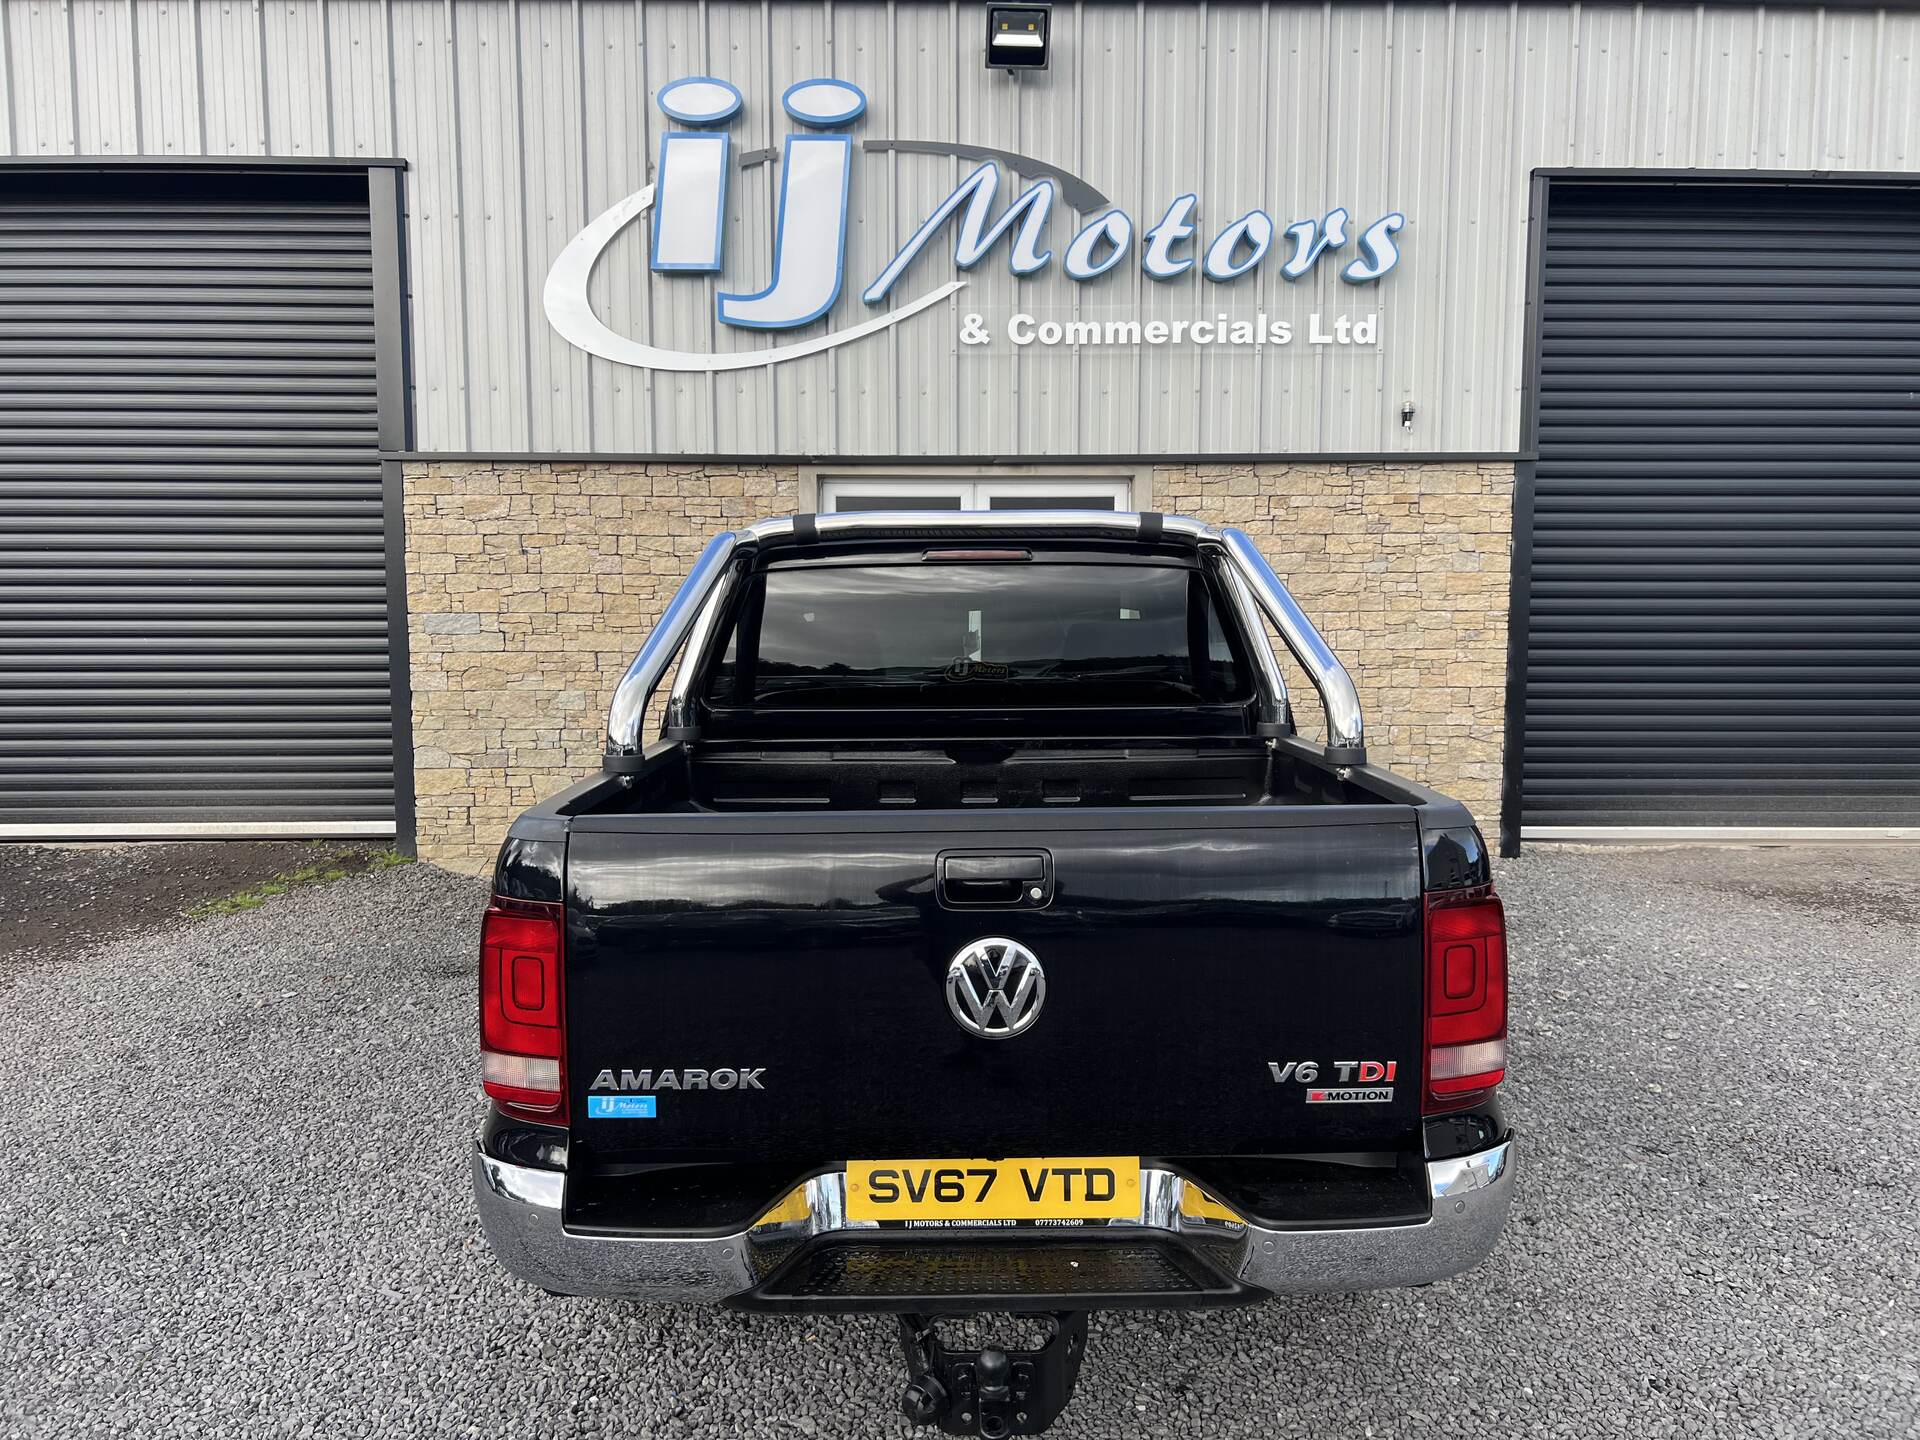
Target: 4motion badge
<point x="1361" y="1082"/>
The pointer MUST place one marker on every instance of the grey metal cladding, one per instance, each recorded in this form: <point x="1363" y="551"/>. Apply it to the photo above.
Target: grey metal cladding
<point x="193" y="594"/>
<point x="521" y="121"/>
<point x="1725" y="598"/>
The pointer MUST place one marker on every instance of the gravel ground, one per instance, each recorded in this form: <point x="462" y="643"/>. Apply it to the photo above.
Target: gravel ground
<point x="106" y="891"/>
<point x="235" y="1198"/>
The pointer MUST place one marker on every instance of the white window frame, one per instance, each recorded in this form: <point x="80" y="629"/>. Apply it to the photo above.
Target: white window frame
<point x="822" y="489"/>
<point x="1118" y="491"/>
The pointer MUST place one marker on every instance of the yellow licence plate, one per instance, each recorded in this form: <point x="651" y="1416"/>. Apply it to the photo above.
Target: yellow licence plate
<point x="1103" y="1187"/>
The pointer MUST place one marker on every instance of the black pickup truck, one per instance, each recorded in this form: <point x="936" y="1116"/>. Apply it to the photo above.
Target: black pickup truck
<point x="979" y="936"/>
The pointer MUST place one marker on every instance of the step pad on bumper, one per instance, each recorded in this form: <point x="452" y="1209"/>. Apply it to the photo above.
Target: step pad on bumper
<point x="913" y="1271"/>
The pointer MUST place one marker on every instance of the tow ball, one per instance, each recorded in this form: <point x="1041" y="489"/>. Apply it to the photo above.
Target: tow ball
<point x="991" y="1392"/>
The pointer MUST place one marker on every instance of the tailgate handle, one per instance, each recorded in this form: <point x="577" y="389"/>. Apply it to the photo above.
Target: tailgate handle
<point x="996" y="867"/>
<point x="1017" y="880"/>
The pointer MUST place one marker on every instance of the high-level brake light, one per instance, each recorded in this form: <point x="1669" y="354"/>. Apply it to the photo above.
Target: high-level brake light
<point x="1466" y="996"/>
<point x="523" y="1038"/>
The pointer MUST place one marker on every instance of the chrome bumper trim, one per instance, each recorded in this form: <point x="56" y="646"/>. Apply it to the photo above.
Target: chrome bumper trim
<point x="1471" y="1197"/>
<point x="520" y="1211"/>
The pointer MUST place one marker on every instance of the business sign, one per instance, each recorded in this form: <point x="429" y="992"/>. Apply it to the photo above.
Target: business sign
<point x="686" y="206"/>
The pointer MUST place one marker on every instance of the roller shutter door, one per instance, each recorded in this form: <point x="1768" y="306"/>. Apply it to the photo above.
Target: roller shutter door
<point x="1723" y="623"/>
<point x="193" y="596"/>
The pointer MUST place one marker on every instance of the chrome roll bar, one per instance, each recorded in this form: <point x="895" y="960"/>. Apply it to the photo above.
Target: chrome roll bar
<point x="1346" y="728"/>
<point x="692" y="618"/>
<point x="678" y="724"/>
<point x="628" y="712"/>
<point x="1274" y="716"/>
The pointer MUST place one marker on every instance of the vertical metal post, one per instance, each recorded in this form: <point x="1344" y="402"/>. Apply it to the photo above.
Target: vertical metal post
<point x="1520" y="584"/>
<point x="393" y="399"/>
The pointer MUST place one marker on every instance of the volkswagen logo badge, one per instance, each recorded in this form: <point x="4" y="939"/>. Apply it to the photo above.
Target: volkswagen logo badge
<point x="995" y="988"/>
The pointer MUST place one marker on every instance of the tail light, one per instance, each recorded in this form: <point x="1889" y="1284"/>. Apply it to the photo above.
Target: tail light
<point x="1466" y="996"/>
<point x="523" y="1038"/>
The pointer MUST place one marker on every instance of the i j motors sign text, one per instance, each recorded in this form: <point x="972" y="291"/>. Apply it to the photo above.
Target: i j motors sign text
<point x="687" y="206"/>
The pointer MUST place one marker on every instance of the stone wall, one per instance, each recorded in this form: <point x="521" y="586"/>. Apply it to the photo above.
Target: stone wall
<point x="529" y="591"/>
<point x="1404" y="569"/>
<point x="531" y="586"/>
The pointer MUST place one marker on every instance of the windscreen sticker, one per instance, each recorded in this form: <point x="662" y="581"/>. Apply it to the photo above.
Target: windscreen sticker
<point x="967" y="669"/>
<point x="621" y="1107"/>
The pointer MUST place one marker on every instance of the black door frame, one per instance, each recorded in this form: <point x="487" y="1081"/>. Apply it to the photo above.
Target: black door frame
<point x="1519" y="602"/>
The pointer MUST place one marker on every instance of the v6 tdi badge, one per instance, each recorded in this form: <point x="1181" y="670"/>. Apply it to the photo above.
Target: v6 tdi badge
<point x="1369" y="1075"/>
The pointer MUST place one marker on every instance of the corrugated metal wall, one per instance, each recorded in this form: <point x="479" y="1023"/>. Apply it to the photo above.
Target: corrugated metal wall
<point x="523" y="118"/>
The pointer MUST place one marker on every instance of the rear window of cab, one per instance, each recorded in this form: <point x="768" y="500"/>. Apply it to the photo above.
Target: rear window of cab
<point x="948" y="636"/>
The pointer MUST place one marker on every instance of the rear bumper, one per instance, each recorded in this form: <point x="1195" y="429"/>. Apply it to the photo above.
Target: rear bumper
<point x="1229" y="1261"/>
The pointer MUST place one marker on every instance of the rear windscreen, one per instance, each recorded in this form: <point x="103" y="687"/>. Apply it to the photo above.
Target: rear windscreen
<point x="943" y="635"/>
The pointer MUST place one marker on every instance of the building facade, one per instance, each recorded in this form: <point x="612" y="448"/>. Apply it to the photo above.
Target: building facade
<point x="374" y="367"/>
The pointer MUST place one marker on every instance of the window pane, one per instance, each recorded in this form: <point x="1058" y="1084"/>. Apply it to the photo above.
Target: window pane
<point x="952" y="500"/>
<point x="966" y="635"/>
<point x="1039" y="500"/>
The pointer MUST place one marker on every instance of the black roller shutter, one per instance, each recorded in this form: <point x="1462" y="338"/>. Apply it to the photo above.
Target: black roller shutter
<point x="1723" y="623"/>
<point x="193" y="593"/>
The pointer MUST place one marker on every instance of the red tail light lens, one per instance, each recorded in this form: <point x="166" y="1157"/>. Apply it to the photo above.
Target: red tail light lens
<point x="1466" y="996"/>
<point x="523" y="1038"/>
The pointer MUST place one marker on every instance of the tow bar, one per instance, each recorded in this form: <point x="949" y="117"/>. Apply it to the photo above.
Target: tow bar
<point x="991" y="1392"/>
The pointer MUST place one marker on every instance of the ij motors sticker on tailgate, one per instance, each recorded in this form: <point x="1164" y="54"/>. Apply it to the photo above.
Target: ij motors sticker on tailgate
<point x="622" y="1107"/>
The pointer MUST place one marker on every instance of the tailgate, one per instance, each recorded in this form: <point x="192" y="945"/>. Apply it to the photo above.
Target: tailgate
<point x="777" y="986"/>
